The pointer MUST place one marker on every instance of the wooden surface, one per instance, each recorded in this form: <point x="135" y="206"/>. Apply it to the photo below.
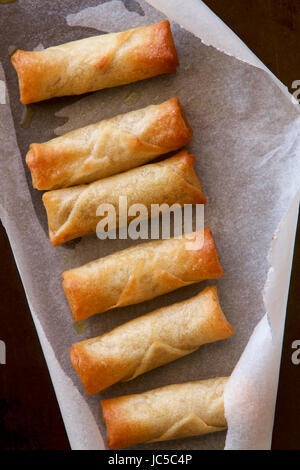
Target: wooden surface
<point x="29" y="414"/>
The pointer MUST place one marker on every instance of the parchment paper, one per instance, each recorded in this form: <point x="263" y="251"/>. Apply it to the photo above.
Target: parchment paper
<point x="247" y="144"/>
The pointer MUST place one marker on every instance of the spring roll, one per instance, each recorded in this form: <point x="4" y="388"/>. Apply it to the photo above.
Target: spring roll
<point x="109" y="147"/>
<point x="95" y="63"/>
<point x="162" y="414"/>
<point x="72" y="212"/>
<point x="140" y="273"/>
<point x="150" y="341"/>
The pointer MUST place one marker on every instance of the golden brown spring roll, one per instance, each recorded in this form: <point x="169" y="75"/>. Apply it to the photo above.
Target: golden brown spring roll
<point x="162" y="414"/>
<point x="140" y="273"/>
<point x="72" y="212"/>
<point x="109" y="147"/>
<point x="150" y="341"/>
<point x="95" y="63"/>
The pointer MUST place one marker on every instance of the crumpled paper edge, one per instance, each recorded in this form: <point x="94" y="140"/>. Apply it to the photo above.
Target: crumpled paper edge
<point x="212" y="31"/>
<point x="265" y="345"/>
<point x="89" y="436"/>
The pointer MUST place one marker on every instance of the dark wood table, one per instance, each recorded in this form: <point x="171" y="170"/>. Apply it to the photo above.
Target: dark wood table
<point x="29" y="413"/>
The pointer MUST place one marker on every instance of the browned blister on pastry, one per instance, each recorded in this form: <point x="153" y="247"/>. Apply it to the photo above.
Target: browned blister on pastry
<point x="162" y="414"/>
<point x="72" y="212"/>
<point x="109" y="146"/>
<point x="140" y="273"/>
<point x="150" y="341"/>
<point x="95" y="63"/>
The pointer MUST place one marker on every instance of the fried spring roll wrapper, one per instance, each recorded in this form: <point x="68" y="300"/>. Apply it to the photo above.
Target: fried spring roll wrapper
<point x="72" y="212"/>
<point x="150" y="341"/>
<point x="109" y="147"/>
<point x="140" y="273"/>
<point x="95" y="63"/>
<point x="162" y="414"/>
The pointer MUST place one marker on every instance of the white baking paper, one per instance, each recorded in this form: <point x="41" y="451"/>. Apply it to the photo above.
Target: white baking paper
<point x="247" y="144"/>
